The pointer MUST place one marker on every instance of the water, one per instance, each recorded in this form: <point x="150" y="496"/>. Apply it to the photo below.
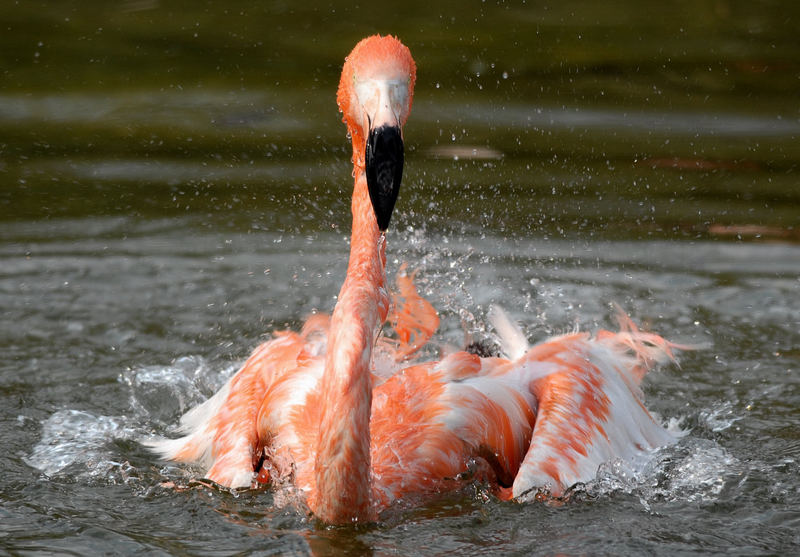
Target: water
<point x="173" y="186"/>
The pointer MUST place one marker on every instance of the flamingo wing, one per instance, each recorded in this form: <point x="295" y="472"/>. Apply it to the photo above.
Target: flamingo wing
<point x="222" y="433"/>
<point x="546" y="421"/>
<point x="590" y="409"/>
<point x="433" y="422"/>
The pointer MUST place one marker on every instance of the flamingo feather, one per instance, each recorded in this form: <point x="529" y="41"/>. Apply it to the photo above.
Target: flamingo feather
<point x="310" y="409"/>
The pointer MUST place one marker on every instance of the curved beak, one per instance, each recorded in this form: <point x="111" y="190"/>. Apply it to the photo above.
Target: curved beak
<point x="384" y="156"/>
<point x="384" y="167"/>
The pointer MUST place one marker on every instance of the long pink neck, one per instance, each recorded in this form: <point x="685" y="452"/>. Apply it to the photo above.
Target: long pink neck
<point x="342" y="466"/>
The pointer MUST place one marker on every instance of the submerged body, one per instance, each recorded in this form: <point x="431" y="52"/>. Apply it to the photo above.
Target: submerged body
<point x="543" y="421"/>
<point x="356" y="421"/>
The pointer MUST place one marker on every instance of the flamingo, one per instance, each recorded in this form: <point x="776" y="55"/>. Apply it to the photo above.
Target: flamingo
<point x="355" y="421"/>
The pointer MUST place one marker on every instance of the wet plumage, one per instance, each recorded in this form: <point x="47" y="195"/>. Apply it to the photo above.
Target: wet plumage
<point x="355" y="419"/>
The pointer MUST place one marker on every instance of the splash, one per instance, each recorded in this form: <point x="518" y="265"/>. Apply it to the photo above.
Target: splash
<point x="720" y="417"/>
<point x="79" y="444"/>
<point x="693" y="470"/>
<point x="163" y="394"/>
<point x="76" y="443"/>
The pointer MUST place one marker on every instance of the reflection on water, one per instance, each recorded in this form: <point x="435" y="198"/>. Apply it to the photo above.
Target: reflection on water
<point x="173" y="186"/>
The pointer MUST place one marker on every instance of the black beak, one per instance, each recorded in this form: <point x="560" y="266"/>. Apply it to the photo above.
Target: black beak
<point x="384" y="166"/>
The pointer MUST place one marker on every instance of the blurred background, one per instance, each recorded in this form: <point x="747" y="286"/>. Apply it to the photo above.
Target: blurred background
<point x="175" y="182"/>
<point x="670" y="118"/>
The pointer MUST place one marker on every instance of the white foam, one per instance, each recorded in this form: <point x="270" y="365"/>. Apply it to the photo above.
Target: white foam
<point x="78" y="443"/>
<point x="77" y="437"/>
<point x="694" y="470"/>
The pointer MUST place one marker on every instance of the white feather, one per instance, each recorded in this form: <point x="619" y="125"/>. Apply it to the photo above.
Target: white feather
<point x="512" y="340"/>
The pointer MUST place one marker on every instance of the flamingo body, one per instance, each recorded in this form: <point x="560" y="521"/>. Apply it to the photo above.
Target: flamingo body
<point x="357" y="421"/>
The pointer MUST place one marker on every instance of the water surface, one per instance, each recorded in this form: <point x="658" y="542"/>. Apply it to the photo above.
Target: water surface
<point x="173" y="187"/>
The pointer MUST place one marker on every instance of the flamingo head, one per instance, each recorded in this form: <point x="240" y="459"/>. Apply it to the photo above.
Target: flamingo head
<point x="375" y="95"/>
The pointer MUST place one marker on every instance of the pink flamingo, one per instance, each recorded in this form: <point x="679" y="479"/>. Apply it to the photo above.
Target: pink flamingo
<point x="308" y="409"/>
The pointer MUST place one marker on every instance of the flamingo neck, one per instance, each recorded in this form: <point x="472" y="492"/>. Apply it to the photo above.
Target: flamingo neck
<point x="342" y="466"/>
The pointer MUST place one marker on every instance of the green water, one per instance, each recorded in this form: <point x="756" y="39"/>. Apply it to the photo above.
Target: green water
<point x="174" y="182"/>
<point x="576" y="100"/>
